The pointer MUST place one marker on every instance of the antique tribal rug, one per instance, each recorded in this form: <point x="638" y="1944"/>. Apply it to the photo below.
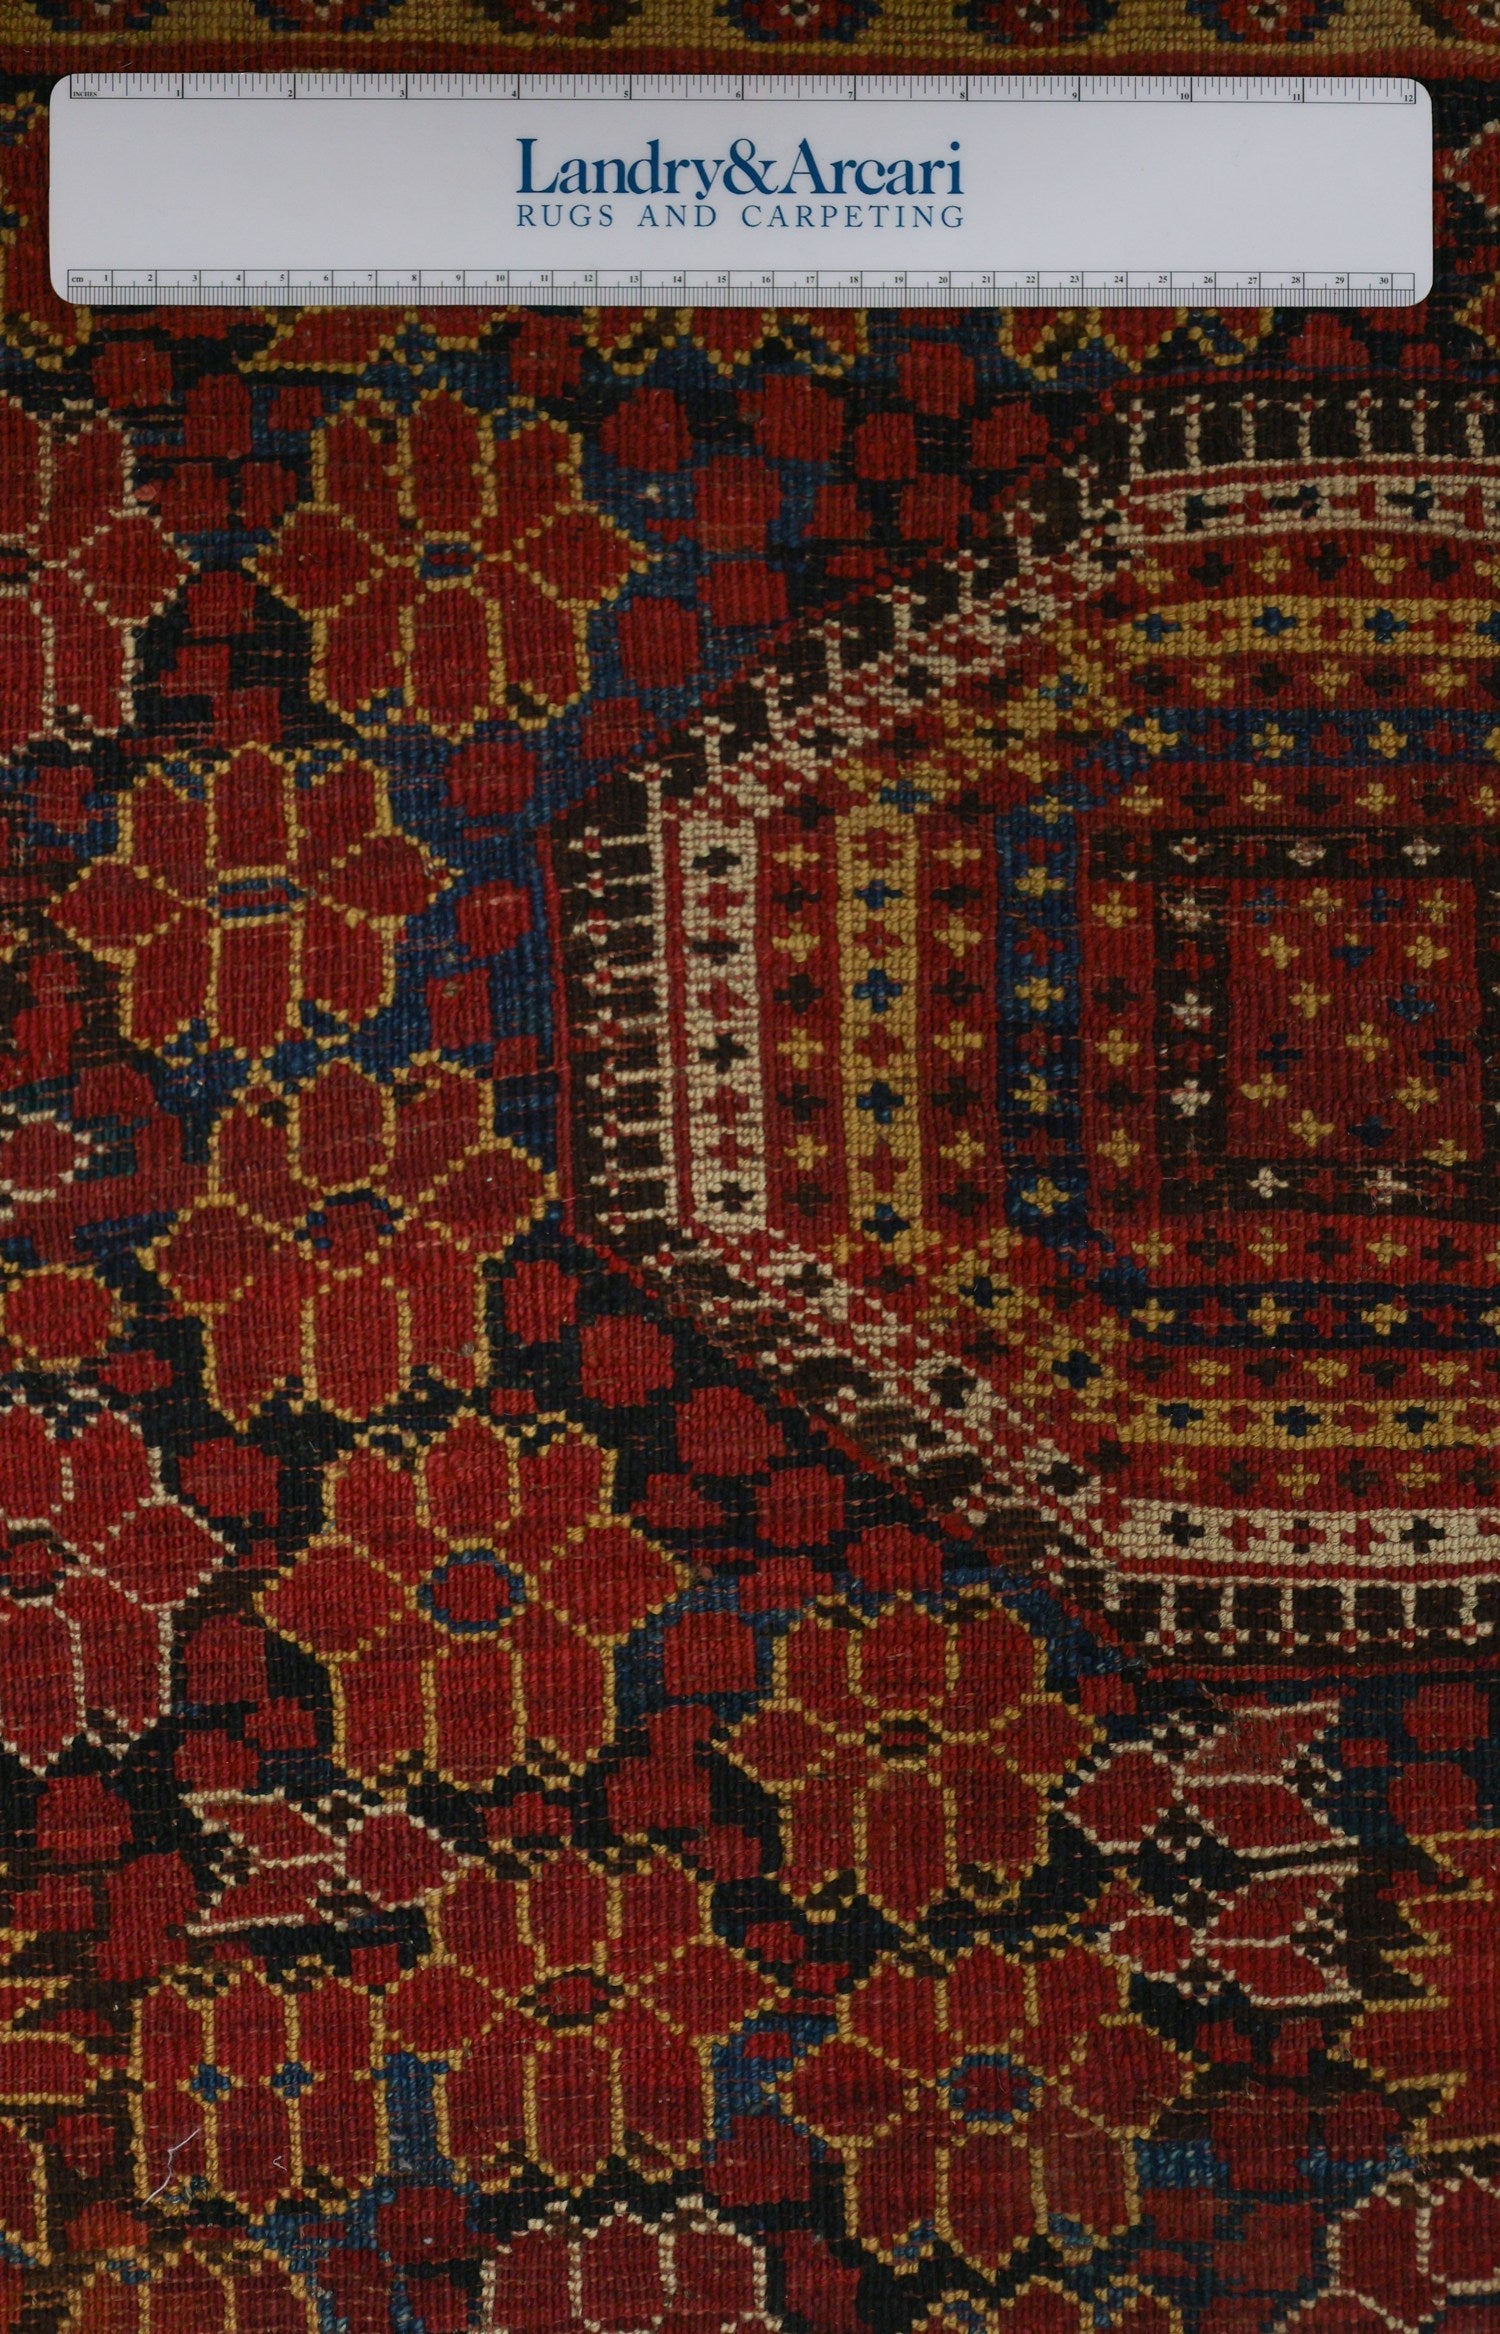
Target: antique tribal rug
<point x="750" y="1272"/>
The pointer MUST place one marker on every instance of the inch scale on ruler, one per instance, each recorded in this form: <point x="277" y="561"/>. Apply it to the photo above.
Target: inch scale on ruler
<point x="297" y="189"/>
<point x="736" y="88"/>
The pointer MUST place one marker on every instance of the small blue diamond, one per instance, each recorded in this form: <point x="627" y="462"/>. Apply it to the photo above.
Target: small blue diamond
<point x="1178" y="1415"/>
<point x="1296" y="1421"/>
<point x="882" y="1101"/>
<point x="877" y="989"/>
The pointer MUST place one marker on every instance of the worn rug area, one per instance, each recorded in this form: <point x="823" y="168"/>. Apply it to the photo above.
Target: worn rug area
<point x="749" y="1277"/>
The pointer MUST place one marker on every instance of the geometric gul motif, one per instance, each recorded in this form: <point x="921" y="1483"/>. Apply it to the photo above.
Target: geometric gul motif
<point x="95" y="1562"/>
<point x="339" y="1242"/>
<point x="83" y="564"/>
<point x="240" y="892"/>
<point x="911" y="1755"/>
<point x="1415" y="2254"/>
<point x="567" y="2276"/>
<point x="568" y="2018"/>
<point x="449" y="571"/>
<point x="1077" y="1079"/>
<point x="993" y="2098"/>
<point x="469" y="1608"/>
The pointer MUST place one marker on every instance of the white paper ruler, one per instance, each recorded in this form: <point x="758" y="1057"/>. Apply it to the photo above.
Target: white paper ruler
<point x="265" y="189"/>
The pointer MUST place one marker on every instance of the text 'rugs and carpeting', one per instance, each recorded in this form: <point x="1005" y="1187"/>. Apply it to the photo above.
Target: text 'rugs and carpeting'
<point x="750" y="1276"/>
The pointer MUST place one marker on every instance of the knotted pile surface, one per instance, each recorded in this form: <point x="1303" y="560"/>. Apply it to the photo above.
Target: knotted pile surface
<point x="750" y="1273"/>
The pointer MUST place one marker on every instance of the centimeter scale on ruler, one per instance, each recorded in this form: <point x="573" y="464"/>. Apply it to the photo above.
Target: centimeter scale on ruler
<point x="591" y="288"/>
<point x="221" y="189"/>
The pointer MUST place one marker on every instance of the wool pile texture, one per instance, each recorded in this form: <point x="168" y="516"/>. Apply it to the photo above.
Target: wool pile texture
<point x="750" y="1270"/>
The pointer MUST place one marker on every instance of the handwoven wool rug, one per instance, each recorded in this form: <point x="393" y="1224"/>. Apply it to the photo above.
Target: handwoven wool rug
<point x="749" y="1273"/>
